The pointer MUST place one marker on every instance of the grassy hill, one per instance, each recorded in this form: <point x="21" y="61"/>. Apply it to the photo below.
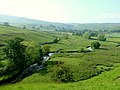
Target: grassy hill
<point x="29" y="23"/>
<point x="106" y="81"/>
<point x="32" y="35"/>
<point x="13" y="20"/>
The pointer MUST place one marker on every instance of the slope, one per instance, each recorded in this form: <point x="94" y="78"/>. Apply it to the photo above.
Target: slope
<point x="29" y="23"/>
<point x="37" y="36"/>
<point x="106" y="81"/>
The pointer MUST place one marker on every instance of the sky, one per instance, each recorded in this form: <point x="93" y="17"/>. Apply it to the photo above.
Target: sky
<point x="65" y="11"/>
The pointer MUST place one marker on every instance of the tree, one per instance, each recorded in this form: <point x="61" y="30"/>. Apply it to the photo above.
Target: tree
<point x="55" y="40"/>
<point x="6" y="24"/>
<point x="94" y="33"/>
<point x="87" y="35"/>
<point x="33" y="27"/>
<point x="24" y="27"/>
<point x="95" y="45"/>
<point x="33" y="53"/>
<point x="19" y="55"/>
<point x="77" y="33"/>
<point x="46" y="49"/>
<point x="15" y="52"/>
<point x="101" y="37"/>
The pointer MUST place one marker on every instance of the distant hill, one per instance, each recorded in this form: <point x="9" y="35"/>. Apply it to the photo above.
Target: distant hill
<point x="37" y="24"/>
<point x="98" y="26"/>
<point x="21" y="21"/>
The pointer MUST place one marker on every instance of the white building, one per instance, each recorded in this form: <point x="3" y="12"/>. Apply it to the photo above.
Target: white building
<point x="89" y="48"/>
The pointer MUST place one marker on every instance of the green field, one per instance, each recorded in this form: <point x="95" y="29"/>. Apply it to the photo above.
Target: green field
<point x="29" y="35"/>
<point x="99" y="70"/>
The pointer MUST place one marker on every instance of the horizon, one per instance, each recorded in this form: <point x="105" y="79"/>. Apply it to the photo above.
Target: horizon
<point x="61" y="11"/>
<point x="61" y="22"/>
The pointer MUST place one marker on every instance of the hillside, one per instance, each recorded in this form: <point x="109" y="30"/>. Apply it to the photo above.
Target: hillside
<point x="106" y="81"/>
<point x="98" y="26"/>
<point x="29" y="23"/>
<point x="37" y="24"/>
<point x="31" y="35"/>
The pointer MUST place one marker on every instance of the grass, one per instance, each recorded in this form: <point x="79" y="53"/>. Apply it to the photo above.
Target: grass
<point x="105" y="60"/>
<point x="29" y="35"/>
<point x="106" y="81"/>
<point x="80" y="62"/>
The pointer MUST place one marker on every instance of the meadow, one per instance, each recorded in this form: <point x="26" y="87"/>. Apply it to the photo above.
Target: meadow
<point x="97" y="70"/>
<point x="29" y="35"/>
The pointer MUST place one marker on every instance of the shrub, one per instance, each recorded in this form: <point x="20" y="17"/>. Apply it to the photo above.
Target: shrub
<point x="95" y="45"/>
<point x="87" y="35"/>
<point x="56" y="40"/>
<point x="61" y="73"/>
<point x="84" y="71"/>
<point x="101" y="37"/>
<point x="46" y="49"/>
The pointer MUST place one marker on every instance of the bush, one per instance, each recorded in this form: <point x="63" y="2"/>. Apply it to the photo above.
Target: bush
<point x="95" y="45"/>
<point x="61" y="73"/>
<point x="101" y="37"/>
<point x="46" y="49"/>
<point x="87" y="72"/>
<point x="33" y="53"/>
<point x="84" y="71"/>
<point x="66" y="73"/>
<point x="56" y="40"/>
<point x="87" y="35"/>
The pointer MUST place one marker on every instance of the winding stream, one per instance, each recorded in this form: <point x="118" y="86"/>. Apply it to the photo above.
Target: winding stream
<point x="27" y="72"/>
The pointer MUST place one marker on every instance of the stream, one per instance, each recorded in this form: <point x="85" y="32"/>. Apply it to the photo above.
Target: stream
<point x="27" y="72"/>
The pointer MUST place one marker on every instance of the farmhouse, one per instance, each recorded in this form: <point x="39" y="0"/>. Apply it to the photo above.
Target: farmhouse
<point x="89" y="48"/>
